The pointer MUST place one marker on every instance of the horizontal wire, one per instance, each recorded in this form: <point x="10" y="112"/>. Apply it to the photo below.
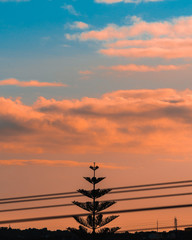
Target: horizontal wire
<point x="37" y="196"/>
<point x="155" y="196"/>
<point x="153" y="184"/>
<point x="116" y="200"/>
<point x="78" y="195"/>
<point x="115" y="188"/>
<point x="40" y="199"/>
<point x="38" y="207"/>
<point x="104" y="213"/>
<point x="150" y="189"/>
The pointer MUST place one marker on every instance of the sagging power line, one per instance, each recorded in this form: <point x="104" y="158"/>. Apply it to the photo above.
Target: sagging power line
<point x="116" y="200"/>
<point x="115" y="188"/>
<point x="104" y="213"/>
<point x="112" y="192"/>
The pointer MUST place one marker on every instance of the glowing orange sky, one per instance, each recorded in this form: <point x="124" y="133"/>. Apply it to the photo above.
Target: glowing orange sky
<point x="137" y="136"/>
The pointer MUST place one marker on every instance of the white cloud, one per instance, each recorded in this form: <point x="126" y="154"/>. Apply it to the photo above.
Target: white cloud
<point x="70" y="9"/>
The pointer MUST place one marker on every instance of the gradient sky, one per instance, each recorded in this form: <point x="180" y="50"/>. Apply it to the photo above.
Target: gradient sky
<point x="95" y="80"/>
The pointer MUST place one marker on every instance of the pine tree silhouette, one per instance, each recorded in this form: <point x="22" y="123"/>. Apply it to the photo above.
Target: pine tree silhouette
<point x="95" y="219"/>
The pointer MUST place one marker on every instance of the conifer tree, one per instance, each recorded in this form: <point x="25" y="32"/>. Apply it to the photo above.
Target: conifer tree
<point x="95" y="220"/>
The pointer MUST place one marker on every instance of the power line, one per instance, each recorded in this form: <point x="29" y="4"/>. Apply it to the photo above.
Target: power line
<point x="104" y="213"/>
<point x="150" y="189"/>
<point x="153" y="184"/>
<point x="116" y="200"/>
<point x="38" y="207"/>
<point x="115" y="188"/>
<point x="78" y="195"/>
<point x="155" y="196"/>
<point x="37" y="196"/>
<point x="40" y="199"/>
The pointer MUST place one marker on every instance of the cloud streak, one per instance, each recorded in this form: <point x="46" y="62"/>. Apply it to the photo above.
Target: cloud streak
<point x="70" y="9"/>
<point x="126" y="1"/>
<point x="185" y="52"/>
<point x="144" y="68"/>
<point x="32" y="83"/>
<point x="54" y="163"/>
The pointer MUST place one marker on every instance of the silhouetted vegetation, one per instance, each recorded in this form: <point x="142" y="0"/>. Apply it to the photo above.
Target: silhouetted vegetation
<point x="95" y="220"/>
<point x="44" y="234"/>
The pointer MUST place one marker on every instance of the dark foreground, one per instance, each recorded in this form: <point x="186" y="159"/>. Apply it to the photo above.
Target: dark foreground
<point x="44" y="234"/>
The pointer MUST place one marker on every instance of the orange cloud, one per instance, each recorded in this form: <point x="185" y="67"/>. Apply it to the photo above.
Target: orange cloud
<point x="144" y="68"/>
<point x="32" y="83"/>
<point x="56" y="163"/>
<point x="155" y="42"/>
<point x="185" y="52"/>
<point x="129" y="121"/>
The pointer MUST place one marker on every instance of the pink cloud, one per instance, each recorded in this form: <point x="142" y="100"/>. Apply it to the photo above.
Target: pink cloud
<point x="176" y="28"/>
<point x="32" y="83"/>
<point x="155" y="42"/>
<point x="144" y="68"/>
<point x="167" y="39"/>
<point x="150" y="52"/>
<point x="110" y="32"/>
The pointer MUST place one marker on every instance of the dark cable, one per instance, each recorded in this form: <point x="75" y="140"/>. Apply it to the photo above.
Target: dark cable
<point x="155" y="196"/>
<point x="85" y="214"/>
<point x="37" y="196"/>
<point x="40" y="199"/>
<point x="153" y="184"/>
<point x="116" y="200"/>
<point x="112" y="192"/>
<point x="150" y="189"/>
<point x="115" y="188"/>
<point x="38" y="207"/>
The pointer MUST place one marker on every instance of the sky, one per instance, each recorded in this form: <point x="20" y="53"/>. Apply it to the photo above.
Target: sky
<point x="95" y="80"/>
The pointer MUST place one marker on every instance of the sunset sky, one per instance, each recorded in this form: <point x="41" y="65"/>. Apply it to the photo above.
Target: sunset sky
<point x="95" y="80"/>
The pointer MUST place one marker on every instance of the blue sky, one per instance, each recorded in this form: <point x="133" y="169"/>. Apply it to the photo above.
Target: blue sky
<point x="108" y="81"/>
<point x="33" y="44"/>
